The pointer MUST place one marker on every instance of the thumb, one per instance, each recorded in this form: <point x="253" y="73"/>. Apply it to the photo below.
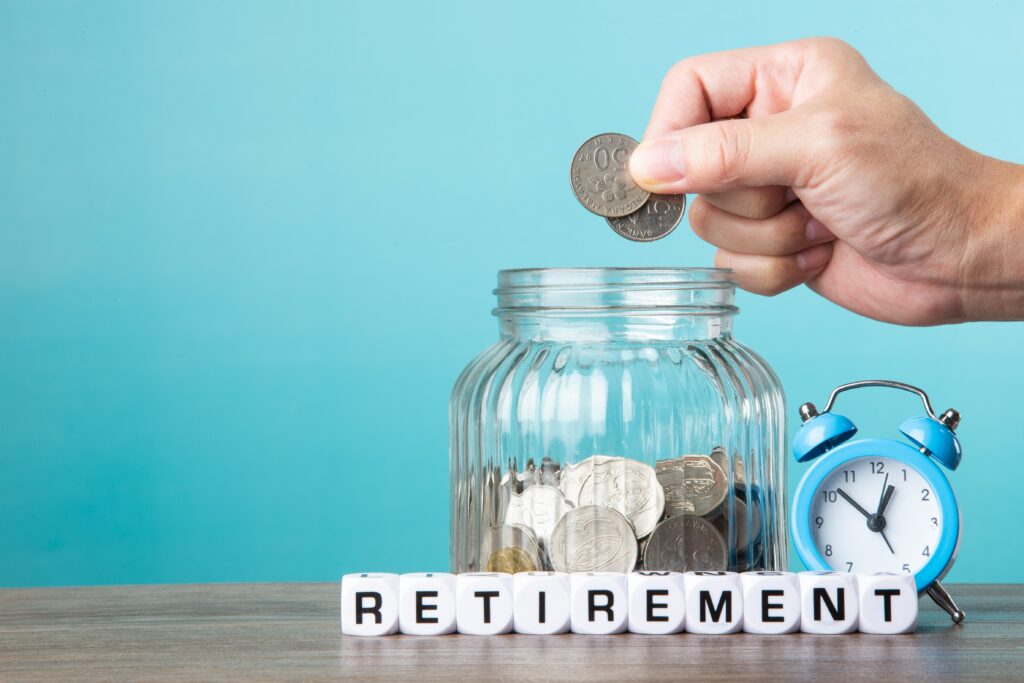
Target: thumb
<point x="723" y="155"/>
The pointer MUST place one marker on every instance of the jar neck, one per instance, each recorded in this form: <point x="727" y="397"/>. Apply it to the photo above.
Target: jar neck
<point x="626" y="328"/>
<point x="615" y="304"/>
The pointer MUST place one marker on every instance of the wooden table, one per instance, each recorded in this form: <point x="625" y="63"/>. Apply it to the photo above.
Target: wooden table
<point x="235" y="631"/>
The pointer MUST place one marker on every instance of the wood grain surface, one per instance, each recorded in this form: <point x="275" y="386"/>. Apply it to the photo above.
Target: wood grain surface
<point x="291" y="631"/>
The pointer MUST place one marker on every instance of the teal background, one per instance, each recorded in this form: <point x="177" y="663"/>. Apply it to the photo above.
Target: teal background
<point x="246" y="247"/>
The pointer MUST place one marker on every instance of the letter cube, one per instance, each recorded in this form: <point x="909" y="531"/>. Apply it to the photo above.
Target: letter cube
<point x="657" y="602"/>
<point x="542" y="602"/>
<point x="771" y="602"/>
<point x="714" y="602"/>
<point x="369" y="604"/>
<point x="829" y="602"/>
<point x="426" y="603"/>
<point x="483" y="603"/>
<point x="888" y="603"/>
<point x="599" y="602"/>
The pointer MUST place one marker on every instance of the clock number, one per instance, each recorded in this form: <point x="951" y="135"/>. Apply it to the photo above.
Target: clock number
<point x="828" y="551"/>
<point x="926" y="552"/>
<point x="830" y="496"/>
<point x="878" y="467"/>
<point x="935" y="522"/>
<point x="924" y="494"/>
<point x="819" y="521"/>
<point x="849" y="476"/>
<point x="904" y="475"/>
<point x="849" y="566"/>
<point x="906" y="568"/>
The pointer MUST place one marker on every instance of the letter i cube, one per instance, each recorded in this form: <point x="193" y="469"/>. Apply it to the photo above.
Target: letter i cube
<point x="369" y="604"/>
<point x="542" y="602"/>
<point x="714" y="602"/>
<point x="888" y="603"/>
<point x="828" y="602"/>
<point x="426" y="603"/>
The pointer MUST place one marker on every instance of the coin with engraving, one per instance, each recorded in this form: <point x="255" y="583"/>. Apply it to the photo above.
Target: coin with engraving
<point x="685" y="544"/>
<point x="538" y="507"/>
<point x="656" y="218"/>
<point x="693" y="484"/>
<point x="600" y="177"/>
<point x="593" y="538"/>
<point x="629" y="486"/>
<point x="509" y="548"/>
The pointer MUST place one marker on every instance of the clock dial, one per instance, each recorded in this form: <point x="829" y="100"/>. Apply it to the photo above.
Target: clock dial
<point x="846" y="536"/>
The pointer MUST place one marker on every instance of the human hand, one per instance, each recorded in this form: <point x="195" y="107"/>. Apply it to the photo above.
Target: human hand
<point x="812" y="169"/>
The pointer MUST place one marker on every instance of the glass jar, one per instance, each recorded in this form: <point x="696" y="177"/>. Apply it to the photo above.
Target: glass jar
<point x="617" y="425"/>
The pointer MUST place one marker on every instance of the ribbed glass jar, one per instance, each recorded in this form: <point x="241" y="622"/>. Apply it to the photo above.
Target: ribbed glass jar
<point x="617" y="425"/>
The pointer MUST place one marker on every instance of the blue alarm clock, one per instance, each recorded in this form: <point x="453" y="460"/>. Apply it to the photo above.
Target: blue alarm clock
<point x="879" y="505"/>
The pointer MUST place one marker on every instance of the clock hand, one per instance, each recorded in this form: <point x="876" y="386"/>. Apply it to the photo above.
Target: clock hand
<point x="886" y="496"/>
<point x="854" y="503"/>
<point x="882" y="531"/>
<point x="881" y="496"/>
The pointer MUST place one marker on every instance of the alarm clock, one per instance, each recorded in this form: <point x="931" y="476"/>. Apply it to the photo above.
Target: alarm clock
<point x="879" y="505"/>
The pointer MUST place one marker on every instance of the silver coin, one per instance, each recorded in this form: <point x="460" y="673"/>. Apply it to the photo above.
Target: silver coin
<point x="593" y="538"/>
<point x="656" y="218"/>
<point x="600" y="176"/>
<point x="694" y="485"/>
<point x="684" y="544"/>
<point x="737" y="521"/>
<point x="539" y="508"/>
<point x="722" y="460"/>
<point x="510" y="548"/>
<point x="628" y="486"/>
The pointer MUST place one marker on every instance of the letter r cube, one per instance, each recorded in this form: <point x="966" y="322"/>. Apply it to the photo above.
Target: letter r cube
<point x="369" y="604"/>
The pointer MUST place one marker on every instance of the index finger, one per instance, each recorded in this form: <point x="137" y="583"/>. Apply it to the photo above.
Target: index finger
<point x="756" y="81"/>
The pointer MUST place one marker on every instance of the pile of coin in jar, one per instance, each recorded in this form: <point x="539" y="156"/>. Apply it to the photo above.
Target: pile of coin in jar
<point x="609" y="513"/>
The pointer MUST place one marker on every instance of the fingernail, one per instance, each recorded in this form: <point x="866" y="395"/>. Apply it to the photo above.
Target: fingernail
<point x="816" y="231"/>
<point x="657" y="162"/>
<point x="814" y="258"/>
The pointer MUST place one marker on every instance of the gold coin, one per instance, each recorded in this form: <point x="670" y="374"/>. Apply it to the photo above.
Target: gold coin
<point x="510" y="560"/>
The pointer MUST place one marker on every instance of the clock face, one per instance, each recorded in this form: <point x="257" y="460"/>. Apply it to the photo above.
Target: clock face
<point x="852" y="539"/>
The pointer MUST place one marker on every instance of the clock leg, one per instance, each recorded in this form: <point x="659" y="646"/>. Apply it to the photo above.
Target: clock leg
<point x="943" y="599"/>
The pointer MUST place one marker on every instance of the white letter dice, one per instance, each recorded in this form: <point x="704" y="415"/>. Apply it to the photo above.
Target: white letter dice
<point x="888" y="603"/>
<point x="829" y="602"/>
<point x="656" y="602"/>
<point x="542" y="602"/>
<point x="426" y="604"/>
<point x="714" y="602"/>
<point x="599" y="602"/>
<point x="484" y="603"/>
<point x="771" y="602"/>
<point x="369" y="604"/>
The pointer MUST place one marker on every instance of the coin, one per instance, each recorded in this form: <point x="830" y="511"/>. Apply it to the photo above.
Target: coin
<point x="737" y="520"/>
<point x="593" y="538"/>
<point x="684" y="544"/>
<point x="538" y="507"/>
<point x="628" y="486"/>
<point x="656" y="218"/>
<point x="600" y="176"/>
<point x="512" y="547"/>
<point x="722" y="460"/>
<point x="693" y="484"/>
<point x="510" y="560"/>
